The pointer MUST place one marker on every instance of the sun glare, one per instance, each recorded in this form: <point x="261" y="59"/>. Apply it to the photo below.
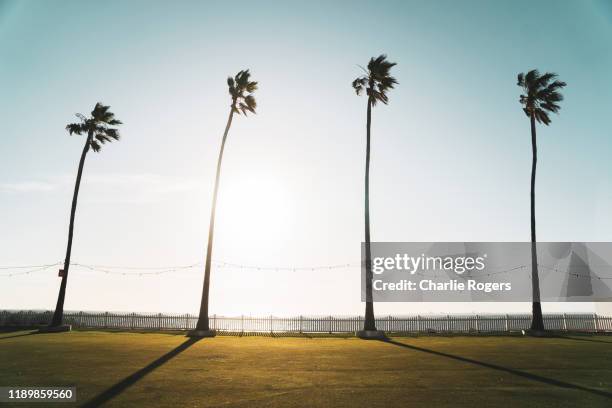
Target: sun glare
<point x="254" y="209"/>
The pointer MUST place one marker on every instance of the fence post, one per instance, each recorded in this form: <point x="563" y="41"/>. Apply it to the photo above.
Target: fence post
<point x="330" y="325"/>
<point x="564" y="323"/>
<point x="242" y="323"/>
<point x="271" y="324"/>
<point x="596" y="322"/>
<point x="214" y="325"/>
<point x="418" y="323"/>
<point x="105" y="320"/>
<point x="477" y="324"/>
<point x="507" y="324"/>
<point x="301" y="327"/>
<point x="132" y="321"/>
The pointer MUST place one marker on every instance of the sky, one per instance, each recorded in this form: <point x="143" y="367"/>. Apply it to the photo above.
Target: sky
<point x="451" y="153"/>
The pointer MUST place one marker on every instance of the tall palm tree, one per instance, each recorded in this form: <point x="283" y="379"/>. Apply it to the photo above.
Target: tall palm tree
<point x="376" y="82"/>
<point x="241" y="90"/>
<point x="99" y="130"/>
<point x="541" y="96"/>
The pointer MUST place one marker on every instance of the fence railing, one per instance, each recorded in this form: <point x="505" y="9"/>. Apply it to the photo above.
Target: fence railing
<point x="489" y="323"/>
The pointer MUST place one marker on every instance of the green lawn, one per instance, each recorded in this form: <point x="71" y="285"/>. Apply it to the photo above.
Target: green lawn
<point x="152" y="369"/>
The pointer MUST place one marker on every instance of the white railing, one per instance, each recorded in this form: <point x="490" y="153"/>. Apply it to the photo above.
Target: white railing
<point x="490" y="323"/>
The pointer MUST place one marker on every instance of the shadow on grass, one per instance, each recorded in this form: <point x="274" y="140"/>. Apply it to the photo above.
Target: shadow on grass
<point x="18" y="335"/>
<point x="529" y="376"/>
<point x="584" y="339"/>
<point x="127" y="382"/>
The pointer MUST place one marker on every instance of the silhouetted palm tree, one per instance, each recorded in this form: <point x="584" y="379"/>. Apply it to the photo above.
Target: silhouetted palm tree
<point x="241" y="90"/>
<point x="99" y="131"/>
<point x="376" y="82"/>
<point x="541" y="96"/>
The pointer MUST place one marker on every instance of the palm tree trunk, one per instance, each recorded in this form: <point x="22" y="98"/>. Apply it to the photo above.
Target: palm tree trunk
<point x="370" y="323"/>
<point x="537" y="322"/>
<point x="58" y="315"/>
<point x="203" y="318"/>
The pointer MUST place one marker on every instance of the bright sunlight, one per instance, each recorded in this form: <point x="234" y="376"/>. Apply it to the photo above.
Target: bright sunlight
<point x="254" y="208"/>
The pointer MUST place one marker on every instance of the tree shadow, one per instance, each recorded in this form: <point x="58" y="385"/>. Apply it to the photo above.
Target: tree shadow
<point x="127" y="382"/>
<point x="583" y="339"/>
<point x="18" y="335"/>
<point x="519" y="373"/>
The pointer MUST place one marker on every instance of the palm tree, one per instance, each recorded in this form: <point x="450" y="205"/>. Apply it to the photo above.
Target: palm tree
<point x="241" y="90"/>
<point x="541" y="96"/>
<point x="376" y="81"/>
<point x="99" y="131"/>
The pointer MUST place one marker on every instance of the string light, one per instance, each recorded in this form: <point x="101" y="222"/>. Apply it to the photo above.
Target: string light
<point x="29" y="266"/>
<point x="36" y="268"/>
<point x="144" y="271"/>
<point x="147" y="271"/>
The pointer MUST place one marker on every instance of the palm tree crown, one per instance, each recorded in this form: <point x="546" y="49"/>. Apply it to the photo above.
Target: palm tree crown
<point x="541" y="94"/>
<point x="377" y="80"/>
<point x="97" y="126"/>
<point x="241" y="89"/>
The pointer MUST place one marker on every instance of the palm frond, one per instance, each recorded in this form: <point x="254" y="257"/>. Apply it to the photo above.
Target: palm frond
<point x="241" y="88"/>
<point x="101" y="137"/>
<point x="544" y="80"/>
<point x="531" y="77"/>
<point x="95" y="146"/>
<point x="377" y="81"/>
<point x="97" y="126"/>
<point x="387" y="82"/>
<point x="75" y="128"/>
<point x="556" y="85"/>
<point x="542" y="117"/>
<point x="359" y="84"/>
<point x="112" y="133"/>
<point x="251" y="103"/>
<point x="541" y="94"/>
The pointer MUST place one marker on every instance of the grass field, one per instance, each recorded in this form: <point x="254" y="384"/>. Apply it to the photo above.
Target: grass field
<point x="154" y="369"/>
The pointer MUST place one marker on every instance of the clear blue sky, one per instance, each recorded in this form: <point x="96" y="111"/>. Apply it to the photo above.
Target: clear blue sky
<point x="451" y="153"/>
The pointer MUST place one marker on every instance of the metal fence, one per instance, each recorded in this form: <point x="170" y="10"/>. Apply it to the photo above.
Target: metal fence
<point x="490" y="323"/>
